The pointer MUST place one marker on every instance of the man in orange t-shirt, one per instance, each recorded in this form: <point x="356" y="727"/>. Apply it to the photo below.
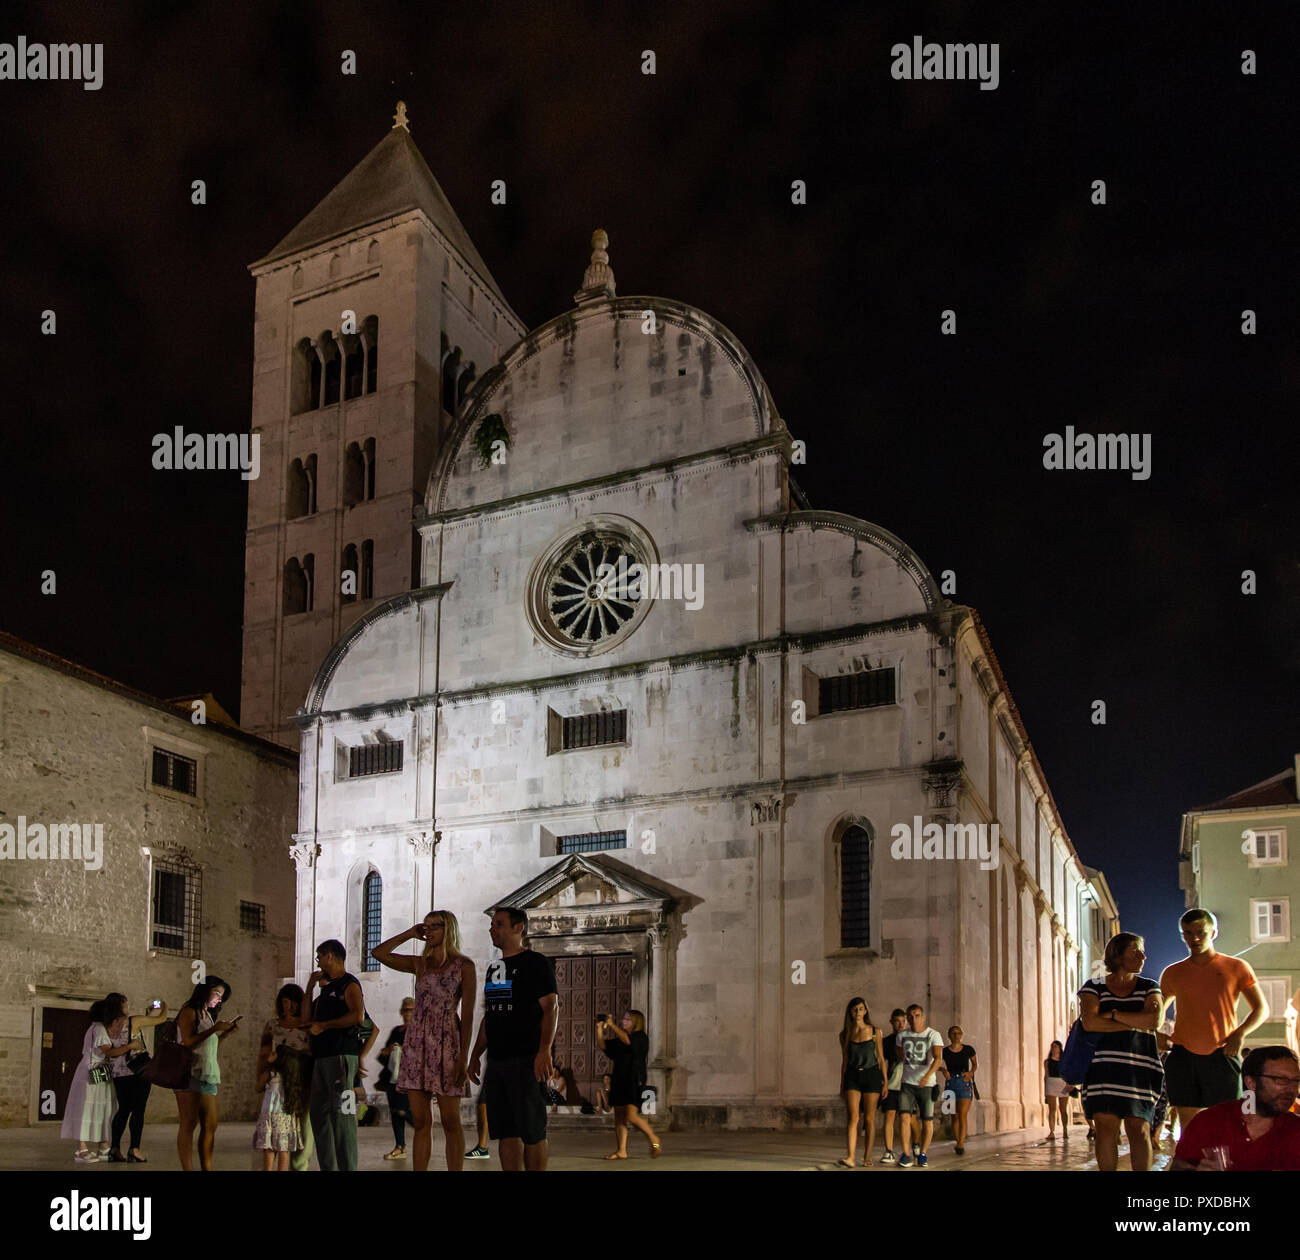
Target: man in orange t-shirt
<point x="1204" y="1065"/>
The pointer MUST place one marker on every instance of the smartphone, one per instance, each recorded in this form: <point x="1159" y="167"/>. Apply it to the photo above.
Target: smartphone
<point x="155" y="1005"/>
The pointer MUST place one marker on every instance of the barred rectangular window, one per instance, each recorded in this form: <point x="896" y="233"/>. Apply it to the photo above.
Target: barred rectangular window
<point x="180" y="774"/>
<point x="252" y="917"/>
<point x="866" y="690"/>
<point x="591" y="842"/>
<point x="590" y="730"/>
<point x="177" y="901"/>
<point x="375" y="759"/>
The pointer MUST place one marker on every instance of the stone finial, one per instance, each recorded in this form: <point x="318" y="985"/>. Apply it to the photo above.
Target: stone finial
<point x="399" y="118"/>
<point x="598" y="279"/>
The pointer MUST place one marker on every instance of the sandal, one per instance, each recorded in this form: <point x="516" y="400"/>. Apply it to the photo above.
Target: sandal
<point x="615" y="1155"/>
<point x="844" y="1163"/>
<point x="655" y="1152"/>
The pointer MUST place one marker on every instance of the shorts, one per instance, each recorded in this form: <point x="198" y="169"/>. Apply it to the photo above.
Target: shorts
<point x="1201" y="1080"/>
<point x="918" y="1099"/>
<point x="864" y="1080"/>
<point x="200" y="1087"/>
<point x="959" y="1088"/>
<point x="515" y="1100"/>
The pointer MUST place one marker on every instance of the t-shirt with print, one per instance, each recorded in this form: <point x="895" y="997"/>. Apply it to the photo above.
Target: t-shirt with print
<point x="916" y="1049"/>
<point x="511" y="995"/>
<point x="1206" y="1008"/>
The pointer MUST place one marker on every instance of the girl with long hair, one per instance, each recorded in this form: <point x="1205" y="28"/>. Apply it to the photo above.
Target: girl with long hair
<point x="1056" y="1091"/>
<point x="200" y="1027"/>
<point x="862" y="1077"/>
<point x="435" y="1049"/>
<point x="627" y="1045"/>
<point x="959" y="1064"/>
<point x="88" y="1111"/>
<point x="130" y="1084"/>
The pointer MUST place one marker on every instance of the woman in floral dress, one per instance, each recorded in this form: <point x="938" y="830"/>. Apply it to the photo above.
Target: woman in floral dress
<point x="435" y="1052"/>
<point x="284" y="1071"/>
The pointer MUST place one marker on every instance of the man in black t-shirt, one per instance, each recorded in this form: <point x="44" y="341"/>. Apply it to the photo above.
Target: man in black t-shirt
<point x="519" y="1015"/>
<point x="335" y="1045"/>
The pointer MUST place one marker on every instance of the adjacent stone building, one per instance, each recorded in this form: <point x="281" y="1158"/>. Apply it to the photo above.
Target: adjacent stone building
<point x="704" y="734"/>
<point x="1235" y="860"/>
<point x="133" y="843"/>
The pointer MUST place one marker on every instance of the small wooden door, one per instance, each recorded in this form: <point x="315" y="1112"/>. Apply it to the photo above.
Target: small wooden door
<point x="63" y="1032"/>
<point x="588" y="985"/>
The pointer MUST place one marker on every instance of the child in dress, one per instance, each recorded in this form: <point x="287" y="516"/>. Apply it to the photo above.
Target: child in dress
<point x="284" y="1072"/>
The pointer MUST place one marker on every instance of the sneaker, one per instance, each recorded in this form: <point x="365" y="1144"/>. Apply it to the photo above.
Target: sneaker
<point x="887" y="1157"/>
<point x="477" y="1152"/>
<point x="905" y="1161"/>
<point x="398" y="1152"/>
<point x="921" y="1161"/>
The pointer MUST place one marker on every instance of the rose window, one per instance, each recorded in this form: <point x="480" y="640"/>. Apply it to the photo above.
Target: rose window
<point x="587" y="596"/>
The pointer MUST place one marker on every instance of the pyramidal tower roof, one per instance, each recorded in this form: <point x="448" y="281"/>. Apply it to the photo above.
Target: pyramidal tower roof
<point x="390" y="180"/>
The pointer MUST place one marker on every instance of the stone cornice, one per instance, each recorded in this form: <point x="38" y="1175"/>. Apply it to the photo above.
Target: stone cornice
<point x="390" y="607"/>
<point x="890" y="544"/>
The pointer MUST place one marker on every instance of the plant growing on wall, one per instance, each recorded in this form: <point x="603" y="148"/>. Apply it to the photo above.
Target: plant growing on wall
<point x="491" y="430"/>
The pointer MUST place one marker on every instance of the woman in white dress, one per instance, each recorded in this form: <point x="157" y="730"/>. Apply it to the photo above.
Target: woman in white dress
<point x="88" y="1112"/>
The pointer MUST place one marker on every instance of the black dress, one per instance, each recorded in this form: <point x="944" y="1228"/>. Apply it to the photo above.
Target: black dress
<point x="628" y="1078"/>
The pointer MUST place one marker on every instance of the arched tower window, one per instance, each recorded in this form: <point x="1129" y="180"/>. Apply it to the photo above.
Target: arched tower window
<point x="368" y="451"/>
<point x="306" y="376"/>
<point x="370" y="340"/>
<point x="329" y="353"/>
<point x="855" y="888"/>
<point x="295" y="588"/>
<point x="368" y="569"/>
<point x="450" y="371"/>
<point x="354" y="475"/>
<point x="297" y="493"/>
<point x="463" y="382"/>
<point x="372" y="928"/>
<point x="349" y="565"/>
<point x="372" y="253"/>
<point x="354" y="366"/>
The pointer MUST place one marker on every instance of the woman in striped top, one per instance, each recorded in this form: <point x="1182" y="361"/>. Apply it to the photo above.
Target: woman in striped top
<point x="1125" y="1078"/>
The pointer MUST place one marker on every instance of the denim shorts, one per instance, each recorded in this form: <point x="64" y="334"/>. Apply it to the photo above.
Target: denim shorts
<point x="959" y="1088"/>
<point x="201" y="1087"/>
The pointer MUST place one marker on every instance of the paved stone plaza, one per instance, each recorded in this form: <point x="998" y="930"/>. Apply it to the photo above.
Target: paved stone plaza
<point x="578" y="1150"/>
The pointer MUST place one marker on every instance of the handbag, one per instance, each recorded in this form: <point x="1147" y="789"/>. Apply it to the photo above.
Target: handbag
<point x="137" y="1062"/>
<point x="170" y="1066"/>
<point x="1076" y="1058"/>
<point x="100" y="1075"/>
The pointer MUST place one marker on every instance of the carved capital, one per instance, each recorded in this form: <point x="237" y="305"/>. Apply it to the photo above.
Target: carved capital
<point x="661" y="935"/>
<point x="304" y="855"/>
<point x="942" y="782"/>
<point x="425" y="843"/>
<point x="767" y="811"/>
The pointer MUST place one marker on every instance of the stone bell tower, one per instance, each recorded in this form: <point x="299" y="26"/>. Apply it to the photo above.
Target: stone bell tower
<point x="374" y="317"/>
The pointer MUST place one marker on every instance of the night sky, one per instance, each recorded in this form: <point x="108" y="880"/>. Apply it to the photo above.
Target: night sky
<point x="921" y="196"/>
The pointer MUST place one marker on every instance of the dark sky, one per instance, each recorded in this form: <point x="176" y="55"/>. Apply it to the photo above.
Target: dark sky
<point x="921" y="196"/>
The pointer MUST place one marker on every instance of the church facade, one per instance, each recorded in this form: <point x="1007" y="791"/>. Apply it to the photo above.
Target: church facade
<point x="738" y="759"/>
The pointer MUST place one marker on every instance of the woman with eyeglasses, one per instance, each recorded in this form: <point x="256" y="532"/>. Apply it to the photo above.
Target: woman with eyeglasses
<point x="435" y="1049"/>
<point x="399" y="1106"/>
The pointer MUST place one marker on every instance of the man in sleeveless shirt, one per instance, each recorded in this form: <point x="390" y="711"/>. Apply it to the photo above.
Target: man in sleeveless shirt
<point x="335" y="1019"/>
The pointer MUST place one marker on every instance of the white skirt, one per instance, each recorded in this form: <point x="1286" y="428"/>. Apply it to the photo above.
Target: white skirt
<point x="1054" y="1087"/>
<point x="88" y="1116"/>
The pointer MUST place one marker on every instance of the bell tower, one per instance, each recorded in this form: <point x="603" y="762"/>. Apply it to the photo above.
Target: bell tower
<point x="374" y="316"/>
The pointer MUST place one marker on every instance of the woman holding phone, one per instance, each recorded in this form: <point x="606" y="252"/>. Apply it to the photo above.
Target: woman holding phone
<point x="131" y="1084"/>
<point x="199" y="1027"/>
<point x="628" y="1046"/>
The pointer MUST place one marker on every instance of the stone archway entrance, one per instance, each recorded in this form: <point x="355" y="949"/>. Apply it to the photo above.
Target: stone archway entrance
<point x="612" y="934"/>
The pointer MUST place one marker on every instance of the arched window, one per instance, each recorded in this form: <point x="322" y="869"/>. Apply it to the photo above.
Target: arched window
<point x="295" y="588"/>
<point x="368" y="450"/>
<point x="354" y="475"/>
<point x="297" y="493"/>
<point x="306" y="377"/>
<point x="372" y="927"/>
<point x="354" y="366"/>
<point x="368" y="569"/>
<point x="450" y="371"/>
<point x="336" y="265"/>
<point x="370" y="339"/>
<point x="855" y="888"/>
<point x="372" y="254"/>
<point x="349" y="565"/>
<point x="329" y="352"/>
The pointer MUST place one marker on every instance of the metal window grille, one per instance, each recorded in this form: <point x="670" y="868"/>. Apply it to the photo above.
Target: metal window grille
<point x="855" y="889"/>
<point x="590" y="730"/>
<point x="591" y="842"/>
<point x="374" y="890"/>
<point x="180" y="774"/>
<point x="866" y="690"/>
<point x="177" y="902"/>
<point x="375" y="759"/>
<point x="252" y="917"/>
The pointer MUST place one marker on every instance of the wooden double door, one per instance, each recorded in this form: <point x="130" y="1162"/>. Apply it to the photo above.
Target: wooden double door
<point x="588" y="985"/>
